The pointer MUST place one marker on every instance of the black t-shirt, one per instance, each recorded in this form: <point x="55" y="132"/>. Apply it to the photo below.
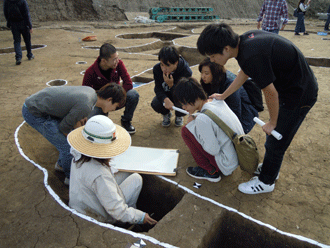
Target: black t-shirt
<point x="269" y="58"/>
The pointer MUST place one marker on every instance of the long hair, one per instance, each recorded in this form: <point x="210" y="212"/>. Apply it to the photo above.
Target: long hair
<point x="84" y="158"/>
<point x="218" y="77"/>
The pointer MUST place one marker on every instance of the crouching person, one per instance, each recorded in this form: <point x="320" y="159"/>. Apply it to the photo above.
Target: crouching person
<point x="211" y="148"/>
<point x="95" y="188"/>
<point x="56" y="111"/>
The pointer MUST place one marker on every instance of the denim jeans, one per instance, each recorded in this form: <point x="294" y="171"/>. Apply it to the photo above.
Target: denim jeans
<point x="18" y="28"/>
<point x="159" y="107"/>
<point x="288" y="123"/>
<point x="49" y="128"/>
<point x="300" y="26"/>
<point x="132" y="100"/>
<point x="275" y="31"/>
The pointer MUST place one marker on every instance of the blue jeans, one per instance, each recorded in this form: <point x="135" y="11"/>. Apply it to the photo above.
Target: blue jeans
<point x="300" y="25"/>
<point x="18" y="28"/>
<point x="275" y="31"/>
<point x="49" y="128"/>
<point x="132" y="100"/>
<point x="288" y="123"/>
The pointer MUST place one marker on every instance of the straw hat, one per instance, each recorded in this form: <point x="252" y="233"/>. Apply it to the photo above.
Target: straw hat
<point x="100" y="138"/>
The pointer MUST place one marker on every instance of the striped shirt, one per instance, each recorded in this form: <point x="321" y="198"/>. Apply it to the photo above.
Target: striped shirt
<point x="271" y="13"/>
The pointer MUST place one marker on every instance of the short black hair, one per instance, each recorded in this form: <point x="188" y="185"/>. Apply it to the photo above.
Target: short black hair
<point x="215" y="37"/>
<point x="107" y="50"/>
<point x="188" y="90"/>
<point x="168" y="54"/>
<point x="115" y="91"/>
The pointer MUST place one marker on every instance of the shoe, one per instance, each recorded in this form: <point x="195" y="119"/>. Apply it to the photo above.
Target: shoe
<point x="167" y="119"/>
<point x="128" y="126"/>
<point x="200" y="173"/>
<point x="258" y="171"/>
<point x="30" y="58"/>
<point x="67" y="181"/>
<point x="178" y="121"/>
<point x="306" y="33"/>
<point x="326" y="30"/>
<point x="296" y="33"/>
<point x="18" y="62"/>
<point x="58" y="167"/>
<point x="255" y="186"/>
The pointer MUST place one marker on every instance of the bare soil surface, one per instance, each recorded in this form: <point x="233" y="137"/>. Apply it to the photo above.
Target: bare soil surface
<point x="31" y="217"/>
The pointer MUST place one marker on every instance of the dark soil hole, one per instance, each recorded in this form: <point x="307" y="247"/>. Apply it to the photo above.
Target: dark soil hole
<point x="57" y="82"/>
<point x="157" y="198"/>
<point x="12" y="50"/>
<point x="323" y="62"/>
<point x="81" y="62"/>
<point x="232" y="230"/>
<point x="138" y="81"/>
<point x="159" y="35"/>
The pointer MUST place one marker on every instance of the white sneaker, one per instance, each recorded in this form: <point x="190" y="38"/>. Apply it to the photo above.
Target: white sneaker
<point x="258" y="171"/>
<point x="67" y="181"/>
<point x="255" y="186"/>
<point x="58" y="167"/>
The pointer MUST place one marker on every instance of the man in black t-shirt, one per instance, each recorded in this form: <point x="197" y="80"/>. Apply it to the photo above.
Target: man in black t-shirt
<point x="279" y="68"/>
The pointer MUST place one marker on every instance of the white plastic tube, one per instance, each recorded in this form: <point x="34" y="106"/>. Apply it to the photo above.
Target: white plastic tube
<point x="277" y="135"/>
<point x="180" y="110"/>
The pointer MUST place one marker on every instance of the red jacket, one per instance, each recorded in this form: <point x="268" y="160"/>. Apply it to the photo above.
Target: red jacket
<point x="95" y="79"/>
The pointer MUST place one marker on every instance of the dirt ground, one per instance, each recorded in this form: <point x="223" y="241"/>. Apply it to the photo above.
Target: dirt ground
<point x="31" y="217"/>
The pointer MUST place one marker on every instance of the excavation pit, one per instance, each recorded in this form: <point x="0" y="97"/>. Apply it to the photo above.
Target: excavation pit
<point x="57" y="82"/>
<point x="158" y="35"/>
<point x="232" y="230"/>
<point x="81" y="62"/>
<point x="12" y="50"/>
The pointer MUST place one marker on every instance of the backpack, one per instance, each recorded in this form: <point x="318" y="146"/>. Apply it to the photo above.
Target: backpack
<point x="14" y="13"/>
<point x="246" y="148"/>
<point x="295" y="13"/>
<point x="254" y="93"/>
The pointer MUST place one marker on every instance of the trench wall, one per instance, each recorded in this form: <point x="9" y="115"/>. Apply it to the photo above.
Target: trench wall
<point x="75" y="10"/>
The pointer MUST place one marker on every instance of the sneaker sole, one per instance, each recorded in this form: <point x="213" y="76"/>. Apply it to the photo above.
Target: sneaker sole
<point x="213" y="180"/>
<point x="166" y="125"/>
<point x="131" y="132"/>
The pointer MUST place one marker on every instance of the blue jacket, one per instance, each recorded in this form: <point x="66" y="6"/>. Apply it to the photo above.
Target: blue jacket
<point x="238" y="102"/>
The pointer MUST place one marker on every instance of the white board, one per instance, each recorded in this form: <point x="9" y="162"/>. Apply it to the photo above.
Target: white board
<point x="147" y="161"/>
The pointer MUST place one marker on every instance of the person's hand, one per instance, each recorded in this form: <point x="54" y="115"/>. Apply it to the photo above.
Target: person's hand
<point x="268" y="128"/>
<point x="168" y="104"/>
<point x="217" y="96"/>
<point x="168" y="79"/>
<point x="80" y="123"/>
<point x="31" y="30"/>
<point x="258" y="25"/>
<point x="149" y="220"/>
<point x="191" y="118"/>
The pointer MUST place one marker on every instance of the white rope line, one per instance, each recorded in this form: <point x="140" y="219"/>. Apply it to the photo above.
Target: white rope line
<point x="73" y="211"/>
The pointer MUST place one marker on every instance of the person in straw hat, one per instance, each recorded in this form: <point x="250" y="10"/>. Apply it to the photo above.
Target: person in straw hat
<point x="96" y="188"/>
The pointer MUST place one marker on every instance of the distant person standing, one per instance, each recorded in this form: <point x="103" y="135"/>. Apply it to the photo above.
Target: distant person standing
<point x="270" y="15"/>
<point x="300" y="26"/>
<point x="326" y="26"/>
<point x="18" y="19"/>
